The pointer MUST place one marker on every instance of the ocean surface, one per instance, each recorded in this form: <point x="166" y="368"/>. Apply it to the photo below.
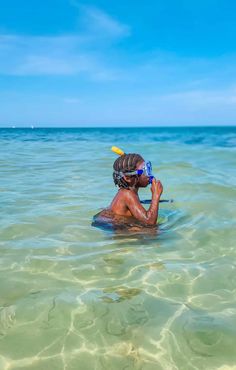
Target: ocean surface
<point x="76" y="297"/>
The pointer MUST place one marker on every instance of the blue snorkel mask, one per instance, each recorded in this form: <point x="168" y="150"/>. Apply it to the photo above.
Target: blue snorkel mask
<point x="146" y="170"/>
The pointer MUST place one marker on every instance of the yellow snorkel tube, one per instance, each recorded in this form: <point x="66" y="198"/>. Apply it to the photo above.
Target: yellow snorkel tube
<point x="117" y="150"/>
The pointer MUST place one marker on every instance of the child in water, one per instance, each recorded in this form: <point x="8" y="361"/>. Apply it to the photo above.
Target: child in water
<point x="131" y="172"/>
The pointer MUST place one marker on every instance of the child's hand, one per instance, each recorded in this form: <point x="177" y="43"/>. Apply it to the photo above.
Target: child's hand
<point x="156" y="188"/>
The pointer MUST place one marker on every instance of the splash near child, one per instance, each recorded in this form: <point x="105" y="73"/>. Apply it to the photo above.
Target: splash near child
<point x="130" y="173"/>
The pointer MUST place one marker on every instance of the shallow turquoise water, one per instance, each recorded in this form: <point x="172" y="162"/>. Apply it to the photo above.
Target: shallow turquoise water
<point x="76" y="297"/>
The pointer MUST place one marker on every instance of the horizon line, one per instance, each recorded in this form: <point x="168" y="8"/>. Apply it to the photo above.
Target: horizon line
<point x="32" y="127"/>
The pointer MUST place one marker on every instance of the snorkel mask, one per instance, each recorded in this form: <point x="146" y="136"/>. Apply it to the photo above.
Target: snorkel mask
<point x="146" y="170"/>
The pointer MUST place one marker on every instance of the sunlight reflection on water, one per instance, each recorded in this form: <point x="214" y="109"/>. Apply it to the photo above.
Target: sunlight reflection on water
<point x="74" y="296"/>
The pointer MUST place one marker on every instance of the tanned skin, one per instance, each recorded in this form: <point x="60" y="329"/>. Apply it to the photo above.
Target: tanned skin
<point x="126" y="202"/>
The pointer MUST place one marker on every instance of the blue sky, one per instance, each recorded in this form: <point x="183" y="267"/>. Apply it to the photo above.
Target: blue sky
<point x="111" y="63"/>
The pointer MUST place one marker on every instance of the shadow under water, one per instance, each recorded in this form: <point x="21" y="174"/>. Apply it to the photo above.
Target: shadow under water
<point x="122" y="226"/>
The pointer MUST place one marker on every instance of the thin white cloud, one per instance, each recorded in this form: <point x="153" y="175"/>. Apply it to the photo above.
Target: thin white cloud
<point x="100" y="23"/>
<point x="64" y="54"/>
<point x="97" y="23"/>
<point x="199" y="99"/>
<point x="72" y="100"/>
<point x="59" y="55"/>
<point x="192" y="107"/>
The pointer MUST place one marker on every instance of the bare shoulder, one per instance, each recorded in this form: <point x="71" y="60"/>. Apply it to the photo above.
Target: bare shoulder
<point x="130" y="196"/>
<point x="125" y="195"/>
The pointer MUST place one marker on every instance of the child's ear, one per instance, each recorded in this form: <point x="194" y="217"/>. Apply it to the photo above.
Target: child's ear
<point x="128" y="179"/>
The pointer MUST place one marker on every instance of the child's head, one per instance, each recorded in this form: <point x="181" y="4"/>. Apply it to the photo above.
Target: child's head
<point x="127" y="163"/>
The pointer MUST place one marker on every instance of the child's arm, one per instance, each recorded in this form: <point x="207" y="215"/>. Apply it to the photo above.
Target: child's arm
<point x="138" y="211"/>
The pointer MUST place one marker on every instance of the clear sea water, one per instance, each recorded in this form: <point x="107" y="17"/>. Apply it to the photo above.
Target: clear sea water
<point x="76" y="297"/>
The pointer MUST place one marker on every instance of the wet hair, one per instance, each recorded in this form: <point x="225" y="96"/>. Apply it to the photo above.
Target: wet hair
<point x="125" y="163"/>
